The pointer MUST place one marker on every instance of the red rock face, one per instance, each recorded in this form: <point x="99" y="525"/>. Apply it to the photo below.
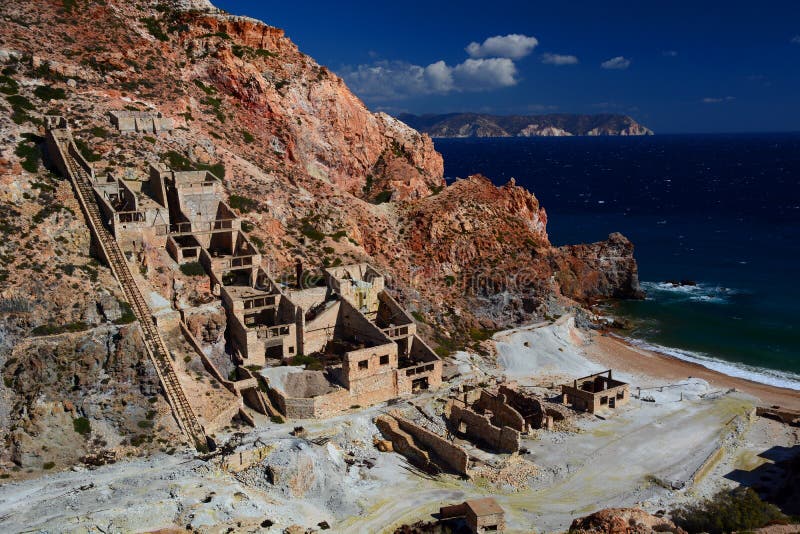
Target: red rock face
<point x="623" y="521"/>
<point x="598" y="270"/>
<point x="329" y="180"/>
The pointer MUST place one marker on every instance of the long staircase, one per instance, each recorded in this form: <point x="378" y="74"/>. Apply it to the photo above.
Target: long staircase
<point x="156" y="349"/>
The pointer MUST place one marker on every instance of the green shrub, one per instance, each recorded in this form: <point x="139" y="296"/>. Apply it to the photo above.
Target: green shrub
<point x="154" y="27"/>
<point x="145" y="424"/>
<point x="205" y="88"/>
<point x="179" y="162"/>
<point x="728" y="511"/>
<point x="127" y="314"/>
<point x="29" y="155"/>
<point x="418" y="316"/>
<point x="193" y="268"/>
<point x="277" y="419"/>
<point x="449" y="280"/>
<point x="310" y="362"/>
<point x="99" y="131"/>
<point x="383" y="196"/>
<point x="243" y="204"/>
<point x="49" y="330"/>
<point x="310" y="232"/>
<point x="48" y="465"/>
<point x="20" y="102"/>
<point x="87" y="152"/>
<point x="263" y="52"/>
<point x="258" y="243"/>
<point x="247" y="227"/>
<point x="48" y="93"/>
<point x="247" y="136"/>
<point x="8" y="85"/>
<point x="82" y="426"/>
<point x="480" y="334"/>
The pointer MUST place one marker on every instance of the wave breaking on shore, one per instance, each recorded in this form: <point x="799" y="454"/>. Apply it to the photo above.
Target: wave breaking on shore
<point x="761" y="375"/>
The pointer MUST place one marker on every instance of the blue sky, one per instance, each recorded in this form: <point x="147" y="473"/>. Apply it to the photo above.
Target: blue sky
<point x="676" y="66"/>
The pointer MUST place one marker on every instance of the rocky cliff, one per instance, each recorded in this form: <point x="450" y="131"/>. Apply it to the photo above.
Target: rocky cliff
<point x="550" y="125"/>
<point x="315" y="174"/>
<point x="623" y="521"/>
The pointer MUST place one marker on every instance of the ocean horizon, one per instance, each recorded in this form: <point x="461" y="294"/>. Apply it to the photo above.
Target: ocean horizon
<point x="721" y="211"/>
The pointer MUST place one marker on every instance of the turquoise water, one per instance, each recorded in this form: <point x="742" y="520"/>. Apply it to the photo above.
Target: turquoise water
<point x="723" y="211"/>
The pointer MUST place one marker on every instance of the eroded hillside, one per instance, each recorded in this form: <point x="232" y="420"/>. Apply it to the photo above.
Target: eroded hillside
<point x="316" y="175"/>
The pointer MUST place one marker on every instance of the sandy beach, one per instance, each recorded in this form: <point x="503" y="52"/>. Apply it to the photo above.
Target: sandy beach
<point x="614" y="353"/>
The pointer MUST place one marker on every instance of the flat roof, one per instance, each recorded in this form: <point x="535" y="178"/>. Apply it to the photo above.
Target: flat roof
<point x="485" y="506"/>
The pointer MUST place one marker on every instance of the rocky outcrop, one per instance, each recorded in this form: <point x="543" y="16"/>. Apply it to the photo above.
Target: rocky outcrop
<point x="315" y="175"/>
<point x="606" y="269"/>
<point x="623" y="521"/>
<point x="550" y="125"/>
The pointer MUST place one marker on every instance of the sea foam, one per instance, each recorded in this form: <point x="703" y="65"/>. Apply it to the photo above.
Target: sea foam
<point x="698" y="293"/>
<point x="770" y="377"/>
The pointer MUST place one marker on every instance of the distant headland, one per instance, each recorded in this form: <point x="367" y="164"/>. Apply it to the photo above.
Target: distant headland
<point x="549" y="125"/>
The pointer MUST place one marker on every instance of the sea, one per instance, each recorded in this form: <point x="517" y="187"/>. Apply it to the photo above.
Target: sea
<point x="721" y="211"/>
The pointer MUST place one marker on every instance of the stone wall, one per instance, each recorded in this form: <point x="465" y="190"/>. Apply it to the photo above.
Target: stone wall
<point x="402" y="442"/>
<point x="530" y="408"/>
<point x="480" y="429"/>
<point x="454" y="456"/>
<point x="317" y="332"/>
<point x="502" y="413"/>
<point x="318" y="407"/>
<point x="241" y="460"/>
<point x="140" y="121"/>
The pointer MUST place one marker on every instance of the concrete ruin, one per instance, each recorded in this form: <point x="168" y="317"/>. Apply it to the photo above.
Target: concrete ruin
<point x="596" y="392"/>
<point x="486" y="427"/>
<point x="140" y="121"/>
<point x="480" y="515"/>
<point x="496" y="418"/>
<point x="423" y="448"/>
<point x="363" y="344"/>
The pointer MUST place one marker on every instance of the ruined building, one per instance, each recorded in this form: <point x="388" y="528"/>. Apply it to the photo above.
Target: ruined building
<point x="480" y="515"/>
<point x="365" y="343"/>
<point x="361" y="345"/>
<point x="596" y="392"/>
<point x="140" y="121"/>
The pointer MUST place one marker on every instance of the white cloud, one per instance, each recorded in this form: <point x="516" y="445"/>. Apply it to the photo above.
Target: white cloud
<point x="512" y="46"/>
<point x="388" y="80"/>
<point x="439" y="77"/>
<point x="796" y="39"/>
<point x="669" y="53"/>
<point x="718" y="100"/>
<point x="616" y="63"/>
<point x="481" y="74"/>
<point x="558" y="59"/>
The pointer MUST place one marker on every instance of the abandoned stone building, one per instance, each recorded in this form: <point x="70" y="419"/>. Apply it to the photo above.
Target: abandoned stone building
<point x="497" y="417"/>
<point x="492" y="418"/>
<point x="596" y="392"/>
<point x="480" y="515"/>
<point x="132" y="217"/>
<point x="363" y="345"/>
<point x="140" y="121"/>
